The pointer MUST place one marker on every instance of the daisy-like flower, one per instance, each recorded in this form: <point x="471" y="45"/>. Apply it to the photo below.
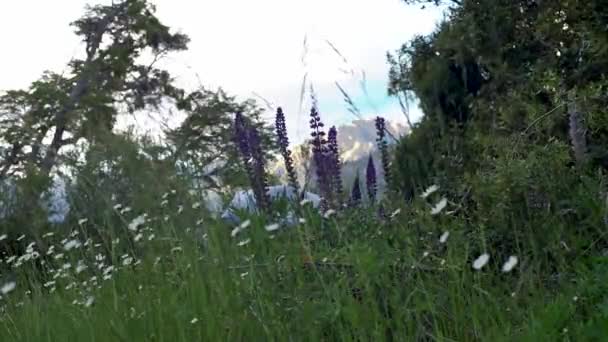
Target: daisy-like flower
<point x="80" y="268"/>
<point x="71" y="245"/>
<point x="272" y="227"/>
<point x="395" y="213"/>
<point x="138" y="221"/>
<point x="244" y="242"/>
<point x="329" y="213"/>
<point x="8" y="287"/>
<point x="240" y="228"/>
<point x="481" y="261"/>
<point x="444" y="237"/>
<point x="510" y="264"/>
<point x="127" y="261"/>
<point x="430" y="190"/>
<point x="89" y="301"/>
<point x="439" y="206"/>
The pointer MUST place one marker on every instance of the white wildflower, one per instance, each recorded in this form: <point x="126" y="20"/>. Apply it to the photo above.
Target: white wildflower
<point x="395" y="213"/>
<point x="138" y="221"/>
<point x="244" y="274"/>
<point x="138" y="237"/>
<point x="125" y="210"/>
<point x="444" y="237"/>
<point x="272" y="227"/>
<point x="481" y="261"/>
<point x="196" y="205"/>
<point x="83" y="221"/>
<point x="117" y="206"/>
<point x="3" y="237"/>
<point x="176" y="249"/>
<point x="510" y="264"/>
<point x="439" y="206"/>
<point x="240" y="228"/>
<point x="127" y="261"/>
<point x="305" y="201"/>
<point x="431" y="189"/>
<point x="194" y="320"/>
<point x="329" y="213"/>
<point x="243" y="243"/>
<point x="108" y="270"/>
<point x="90" y="300"/>
<point x="180" y="209"/>
<point x="71" y="245"/>
<point x="80" y="268"/>
<point x="8" y="287"/>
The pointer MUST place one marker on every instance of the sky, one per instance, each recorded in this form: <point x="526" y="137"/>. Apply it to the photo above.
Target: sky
<point x="252" y="49"/>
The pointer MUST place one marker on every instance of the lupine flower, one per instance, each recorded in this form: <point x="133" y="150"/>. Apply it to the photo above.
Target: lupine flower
<point x="335" y="164"/>
<point x="283" y="140"/>
<point x="481" y="261"/>
<point x="370" y="180"/>
<point x="260" y="181"/>
<point x="248" y="142"/>
<point x="319" y="154"/>
<point x="383" y="148"/>
<point x="355" y="195"/>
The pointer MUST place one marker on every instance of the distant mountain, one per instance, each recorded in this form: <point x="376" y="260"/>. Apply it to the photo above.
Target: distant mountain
<point x="356" y="141"/>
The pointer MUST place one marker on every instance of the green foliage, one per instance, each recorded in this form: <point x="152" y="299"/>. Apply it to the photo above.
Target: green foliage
<point x="203" y="145"/>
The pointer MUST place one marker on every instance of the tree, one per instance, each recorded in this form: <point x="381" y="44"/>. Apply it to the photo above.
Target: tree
<point x="59" y="110"/>
<point x="203" y="146"/>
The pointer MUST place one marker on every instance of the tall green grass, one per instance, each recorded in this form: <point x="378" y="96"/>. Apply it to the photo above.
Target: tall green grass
<point x="350" y="276"/>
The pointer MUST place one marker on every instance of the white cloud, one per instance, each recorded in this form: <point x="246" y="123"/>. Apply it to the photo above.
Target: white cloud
<point x="244" y="46"/>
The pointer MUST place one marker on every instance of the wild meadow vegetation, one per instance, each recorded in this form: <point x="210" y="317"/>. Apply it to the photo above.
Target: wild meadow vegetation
<point x="493" y="227"/>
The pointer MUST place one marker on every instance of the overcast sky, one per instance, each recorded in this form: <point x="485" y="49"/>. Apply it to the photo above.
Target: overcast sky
<point x="247" y="47"/>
